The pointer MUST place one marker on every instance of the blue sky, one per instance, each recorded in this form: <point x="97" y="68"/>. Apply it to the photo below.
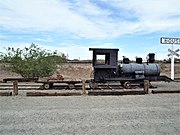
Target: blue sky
<point x="73" y="26"/>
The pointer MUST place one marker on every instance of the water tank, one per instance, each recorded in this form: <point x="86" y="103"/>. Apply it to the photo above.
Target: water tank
<point x="149" y="69"/>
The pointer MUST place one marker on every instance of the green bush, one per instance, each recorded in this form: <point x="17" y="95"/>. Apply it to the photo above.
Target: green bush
<point x="32" y="61"/>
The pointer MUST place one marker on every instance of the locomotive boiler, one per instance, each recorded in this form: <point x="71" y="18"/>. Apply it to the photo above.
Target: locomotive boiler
<point x="108" y="68"/>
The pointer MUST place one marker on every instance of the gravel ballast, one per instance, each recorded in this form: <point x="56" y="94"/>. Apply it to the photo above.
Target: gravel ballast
<point x="137" y="114"/>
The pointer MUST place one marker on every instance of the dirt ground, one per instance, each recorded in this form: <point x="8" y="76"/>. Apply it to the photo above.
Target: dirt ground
<point x="91" y="115"/>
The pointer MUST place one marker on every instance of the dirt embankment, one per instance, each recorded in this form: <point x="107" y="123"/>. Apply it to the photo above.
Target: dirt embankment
<point x="79" y="71"/>
<point x="4" y="73"/>
<point x="166" y="69"/>
<point x="70" y="71"/>
<point x="75" y="71"/>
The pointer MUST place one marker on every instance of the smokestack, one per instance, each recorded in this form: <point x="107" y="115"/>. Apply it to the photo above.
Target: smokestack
<point x="151" y="57"/>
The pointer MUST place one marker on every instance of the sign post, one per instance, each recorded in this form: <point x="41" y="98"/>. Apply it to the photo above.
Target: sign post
<point x="172" y="51"/>
<point x="172" y="64"/>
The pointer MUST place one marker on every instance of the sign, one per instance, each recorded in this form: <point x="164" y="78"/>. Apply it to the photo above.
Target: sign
<point x="172" y="41"/>
<point x="165" y="40"/>
<point x="173" y="52"/>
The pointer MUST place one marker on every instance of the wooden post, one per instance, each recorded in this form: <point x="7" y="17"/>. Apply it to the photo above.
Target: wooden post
<point x="165" y="91"/>
<point x="146" y="86"/>
<point x="15" y="88"/>
<point x="110" y="92"/>
<point x="83" y="87"/>
<point x="5" y="93"/>
<point x="53" y="94"/>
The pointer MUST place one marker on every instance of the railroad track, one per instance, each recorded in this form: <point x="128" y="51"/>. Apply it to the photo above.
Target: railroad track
<point x="38" y="86"/>
<point x="21" y="86"/>
<point x="115" y="87"/>
<point x="6" y="89"/>
<point x="177" y="79"/>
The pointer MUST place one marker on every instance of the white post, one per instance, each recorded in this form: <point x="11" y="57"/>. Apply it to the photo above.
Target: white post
<point x="172" y="64"/>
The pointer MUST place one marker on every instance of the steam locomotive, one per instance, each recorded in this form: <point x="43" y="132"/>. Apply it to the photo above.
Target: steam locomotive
<point x="109" y="69"/>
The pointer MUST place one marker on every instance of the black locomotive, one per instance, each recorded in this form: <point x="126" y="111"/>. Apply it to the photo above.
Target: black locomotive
<point x="109" y="69"/>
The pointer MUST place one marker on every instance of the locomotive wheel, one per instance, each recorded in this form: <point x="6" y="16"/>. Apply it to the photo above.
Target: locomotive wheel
<point x="127" y="85"/>
<point x="93" y="85"/>
<point x="46" y="86"/>
<point x="71" y="86"/>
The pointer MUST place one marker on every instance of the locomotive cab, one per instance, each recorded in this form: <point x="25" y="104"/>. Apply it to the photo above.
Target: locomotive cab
<point x="104" y="63"/>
